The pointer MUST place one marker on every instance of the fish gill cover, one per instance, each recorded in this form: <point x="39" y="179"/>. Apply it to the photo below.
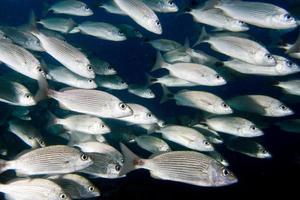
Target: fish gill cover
<point x="202" y="95"/>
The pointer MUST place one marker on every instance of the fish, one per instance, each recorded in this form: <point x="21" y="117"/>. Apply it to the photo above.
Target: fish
<point x="164" y="45"/>
<point x="75" y="137"/>
<point x="290" y="87"/>
<point x="90" y="102"/>
<point x="292" y="50"/>
<point x="63" y="75"/>
<point x="261" y="14"/>
<point x="63" y="25"/>
<point x="103" y="148"/>
<point x="104" y="166"/>
<point x="101" y="30"/>
<point x="141" y="14"/>
<point x="55" y="159"/>
<point x="66" y="54"/>
<point x="181" y="166"/>
<point x="211" y="135"/>
<point x="130" y="31"/>
<point x="14" y="93"/>
<point x="27" y="133"/>
<point x="162" y="6"/>
<point x="261" y="105"/>
<point x="282" y="68"/>
<point x="171" y="81"/>
<point x="113" y="82"/>
<point x="33" y="188"/>
<point x="111" y="7"/>
<point x="236" y="126"/>
<point x="218" y="19"/>
<point x="186" y="136"/>
<point x="141" y="115"/>
<point x="20" y="60"/>
<point x="78" y="187"/>
<point x="81" y="123"/>
<point x="290" y="125"/>
<point x="141" y="91"/>
<point x="248" y="147"/>
<point x="177" y="55"/>
<point x="218" y="157"/>
<point x="152" y="144"/>
<point x="71" y="7"/>
<point x="200" y="100"/>
<point x="238" y="47"/>
<point x="195" y="73"/>
<point x="101" y="67"/>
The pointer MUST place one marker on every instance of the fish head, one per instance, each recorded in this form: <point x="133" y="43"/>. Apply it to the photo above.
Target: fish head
<point x="86" y="83"/>
<point x="154" y="25"/>
<point x="81" y="161"/>
<point x="97" y="126"/>
<point x="250" y="130"/>
<point x="222" y="108"/>
<point x="120" y="109"/>
<point x="221" y="176"/>
<point x="40" y="141"/>
<point x="217" y="80"/>
<point x="285" y="67"/>
<point x="147" y="93"/>
<point x="118" y="35"/>
<point x="62" y="196"/>
<point x="26" y="98"/>
<point x="120" y="84"/>
<point x="84" y="10"/>
<point x="204" y="145"/>
<point x="113" y="169"/>
<point x="170" y="6"/>
<point x="88" y="72"/>
<point x="265" y="58"/>
<point x="109" y="70"/>
<point x="89" y="191"/>
<point x="263" y="153"/>
<point x="278" y="109"/>
<point x="238" y="26"/>
<point x="284" y="21"/>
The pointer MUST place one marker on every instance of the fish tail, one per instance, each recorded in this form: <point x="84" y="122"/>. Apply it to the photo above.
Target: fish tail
<point x="52" y="119"/>
<point x="4" y="165"/>
<point x="210" y="4"/>
<point x="150" y="79"/>
<point x="203" y="37"/>
<point x="131" y="161"/>
<point x="160" y="63"/>
<point x="166" y="94"/>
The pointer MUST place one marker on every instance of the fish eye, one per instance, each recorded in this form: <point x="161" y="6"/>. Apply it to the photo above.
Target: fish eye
<point x="264" y="151"/>
<point x="287" y="17"/>
<point x="27" y="96"/>
<point x="91" y="188"/>
<point x="225" y="172"/>
<point x="62" y="196"/>
<point x="120" y="33"/>
<point x="224" y="105"/>
<point x="240" y="22"/>
<point x="283" y="107"/>
<point x="269" y="56"/>
<point x="102" y="126"/>
<point x="252" y="127"/>
<point x="149" y="115"/>
<point x="84" y="157"/>
<point x="288" y="63"/>
<point x="171" y="3"/>
<point x="157" y="22"/>
<point x="89" y="67"/>
<point x="218" y="76"/>
<point x="39" y="69"/>
<point x="30" y="138"/>
<point x="122" y="106"/>
<point x="122" y="82"/>
<point x="206" y="143"/>
<point x="118" y="167"/>
<point x="42" y="143"/>
<point x="90" y="80"/>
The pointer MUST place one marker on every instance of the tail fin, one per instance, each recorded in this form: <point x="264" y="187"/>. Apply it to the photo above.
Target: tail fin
<point x="130" y="160"/>
<point x="187" y="43"/>
<point x="42" y="92"/>
<point x="31" y="24"/>
<point x="166" y="94"/>
<point x="160" y="63"/>
<point x="3" y="166"/>
<point x="52" y="119"/>
<point x="150" y="80"/>
<point x="202" y="38"/>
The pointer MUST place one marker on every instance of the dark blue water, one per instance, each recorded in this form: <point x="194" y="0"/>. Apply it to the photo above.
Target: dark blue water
<point x="133" y="59"/>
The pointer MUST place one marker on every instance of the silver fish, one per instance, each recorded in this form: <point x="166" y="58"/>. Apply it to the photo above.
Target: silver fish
<point x="164" y="44"/>
<point x="290" y="87"/>
<point x="71" y="7"/>
<point x="248" y="147"/>
<point x="260" y="14"/>
<point x="63" y="75"/>
<point x="163" y="6"/>
<point x="75" y="137"/>
<point x="111" y="7"/>
<point x="141" y="91"/>
<point x="186" y="136"/>
<point x="36" y="188"/>
<point x="56" y="159"/>
<point x="152" y="144"/>
<point x="211" y="135"/>
<point x="113" y="82"/>
<point x="27" y="133"/>
<point x="102" y="67"/>
<point x="293" y="50"/>
<point x="78" y="187"/>
<point x="195" y="73"/>
<point x="63" y="25"/>
<point x="234" y="125"/>
<point x="171" y="81"/>
<point x="261" y="105"/>
<point x="66" y="54"/>
<point x="81" y="123"/>
<point x="181" y="166"/>
<point x="238" y="47"/>
<point x="141" y="14"/>
<point x="130" y="31"/>
<point x="15" y="94"/>
<point x="101" y="30"/>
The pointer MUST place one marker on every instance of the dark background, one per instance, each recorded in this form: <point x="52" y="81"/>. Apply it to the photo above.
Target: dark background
<point x="133" y="58"/>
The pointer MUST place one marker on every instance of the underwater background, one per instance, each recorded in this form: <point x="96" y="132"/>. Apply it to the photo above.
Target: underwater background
<point x="134" y="58"/>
